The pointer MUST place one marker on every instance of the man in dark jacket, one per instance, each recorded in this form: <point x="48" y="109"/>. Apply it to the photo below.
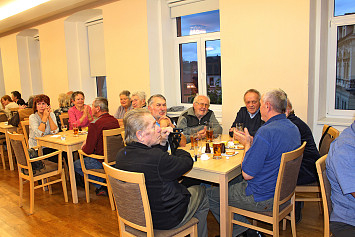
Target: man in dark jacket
<point x="249" y="115"/>
<point x="308" y="171"/>
<point x="172" y="205"/>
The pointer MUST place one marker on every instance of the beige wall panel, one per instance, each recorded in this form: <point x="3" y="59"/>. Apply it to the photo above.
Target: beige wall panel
<point x="264" y="45"/>
<point x="53" y="59"/>
<point x="8" y="46"/>
<point x="126" y="48"/>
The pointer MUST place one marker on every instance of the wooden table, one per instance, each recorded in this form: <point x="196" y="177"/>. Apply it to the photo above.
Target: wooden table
<point x="218" y="171"/>
<point x="4" y="127"/>
<point x="69" y="145"/>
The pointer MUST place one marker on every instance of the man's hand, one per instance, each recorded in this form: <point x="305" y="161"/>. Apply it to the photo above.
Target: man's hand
<point x="164" y="135"/>
<point x="164" y="121"/>
<point x="202" y="133"/>
<point x="244" y="138"/>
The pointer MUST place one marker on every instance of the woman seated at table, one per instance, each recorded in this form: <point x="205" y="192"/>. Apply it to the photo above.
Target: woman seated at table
<point x="42" y="122"/>
<point x="80" y="114"/>
<point x="16" y="97"/>
<point x="7" y="105"/>
<point x="126" y="106"/>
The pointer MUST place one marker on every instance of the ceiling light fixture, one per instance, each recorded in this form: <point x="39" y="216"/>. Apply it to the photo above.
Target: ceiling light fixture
<point x="18" y="6"/>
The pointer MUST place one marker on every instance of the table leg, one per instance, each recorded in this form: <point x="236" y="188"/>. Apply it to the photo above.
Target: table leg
<point x="74" y="191"/>
<point x="223" y="194"/>
<point x="9" y="153"/>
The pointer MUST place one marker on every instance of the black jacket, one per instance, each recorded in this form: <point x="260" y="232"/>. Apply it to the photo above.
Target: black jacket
<point x="168" y="199"/>
<point x="253" y="124"/>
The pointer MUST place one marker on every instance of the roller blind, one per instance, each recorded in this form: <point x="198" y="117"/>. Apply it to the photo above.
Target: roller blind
<point x="188" y="7"/>
<point x="96" y="49"/>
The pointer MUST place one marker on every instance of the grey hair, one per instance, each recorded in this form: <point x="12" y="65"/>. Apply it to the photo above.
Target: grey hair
<point x="278" y="100"/>
<point x="150" y="100"/>
<point x="198" y="96"/>
<point x="252" y="91"/>
<point x="133" y="121"/>
<point x="140" y="94"/>
<point x="102" y="103"/>
<point x="126" y="93"/>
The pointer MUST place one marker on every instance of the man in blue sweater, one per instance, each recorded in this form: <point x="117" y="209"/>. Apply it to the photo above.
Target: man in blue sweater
<point x="261" y="162"/>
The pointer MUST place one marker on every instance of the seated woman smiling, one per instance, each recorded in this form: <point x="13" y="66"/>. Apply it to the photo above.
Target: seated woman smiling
<point x="80" y="114"/>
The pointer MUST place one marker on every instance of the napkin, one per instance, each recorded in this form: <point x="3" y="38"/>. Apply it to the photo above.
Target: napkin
<point x="204" y="157"/>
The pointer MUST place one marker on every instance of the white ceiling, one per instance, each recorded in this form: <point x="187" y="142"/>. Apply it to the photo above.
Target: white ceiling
<point x="45" y="12"/>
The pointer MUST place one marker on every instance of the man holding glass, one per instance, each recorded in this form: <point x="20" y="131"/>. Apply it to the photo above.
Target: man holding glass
<point x="172" y="205"/>
<point x="249" y="115"/>
<point x="195" y="118"/>
<point x="261" y="162"/>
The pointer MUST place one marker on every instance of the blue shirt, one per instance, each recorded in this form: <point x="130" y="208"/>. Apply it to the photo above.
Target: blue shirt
<point x="340" y="165"/>
<point x="262" y="161"/>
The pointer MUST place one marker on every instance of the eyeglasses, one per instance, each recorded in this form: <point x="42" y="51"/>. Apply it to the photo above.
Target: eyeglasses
<point x="203" y="104"/>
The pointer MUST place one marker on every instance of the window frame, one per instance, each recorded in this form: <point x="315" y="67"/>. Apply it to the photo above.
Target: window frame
<point x="334" y="23"/>
<point x="200" y="39"/>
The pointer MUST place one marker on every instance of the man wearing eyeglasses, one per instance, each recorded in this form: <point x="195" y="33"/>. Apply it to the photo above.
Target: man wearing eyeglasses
<point x="195" y="118"/>
<point x="249" y="114"/>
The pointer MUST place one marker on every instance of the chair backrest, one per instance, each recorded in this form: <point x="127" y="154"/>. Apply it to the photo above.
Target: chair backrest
<point x="64" y="119"/>
<point x="325" y="191"/>
<point x="20" y="149"/>
<point x="26" y="129"/>
<point x="3" y="117"/>
<point x="113" y="142"/>
<point x="328" y="136"/>
<point x="131" y="199"/>
<point x="287" y="177"/>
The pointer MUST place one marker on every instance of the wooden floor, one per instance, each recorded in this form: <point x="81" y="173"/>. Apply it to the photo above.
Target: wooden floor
<point x="53" y="217"/>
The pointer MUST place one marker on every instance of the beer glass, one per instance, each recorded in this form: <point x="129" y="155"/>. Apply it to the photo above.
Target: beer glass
<point x="75" y="129"/>
<point x="217" y="147"/>
<point x="209" y="132"/>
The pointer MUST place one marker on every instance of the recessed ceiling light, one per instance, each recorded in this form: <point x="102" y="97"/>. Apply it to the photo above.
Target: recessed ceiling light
<point x="18" y="6"/>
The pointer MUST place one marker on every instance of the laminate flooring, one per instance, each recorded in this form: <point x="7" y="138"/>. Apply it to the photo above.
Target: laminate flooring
<point x="53" y="217"/>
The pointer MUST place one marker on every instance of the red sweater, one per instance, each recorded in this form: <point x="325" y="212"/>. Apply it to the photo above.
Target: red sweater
<point x="94" y="141"/>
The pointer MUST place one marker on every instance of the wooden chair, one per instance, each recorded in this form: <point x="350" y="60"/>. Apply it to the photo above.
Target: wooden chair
<point x="328" y="138"/>
<point x="24" y="164"/>
<point x="284" y="197"/>
<point x="133" y="209"/>
<point x="113" y="142"/>
<point x="2" y="153"/>
<point x="325" y="190"/>
<point x="14" y="111"/>
<point x="26" y="129"/>
<point x="64" y="119"/>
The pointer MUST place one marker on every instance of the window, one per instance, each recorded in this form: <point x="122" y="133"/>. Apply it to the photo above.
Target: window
<point x="101" y="86"/>
<point x="199" y="60"/>
<point x="341" y="56"/>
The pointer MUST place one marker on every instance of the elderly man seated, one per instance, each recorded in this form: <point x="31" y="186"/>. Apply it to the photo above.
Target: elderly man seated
<point x="172" y="205"/>
<point x="340" y="165"/>
<point x="260" y="165"/>
<point x="195" y="118"/>
<point x="249" y="115"/>
<point x="157" y="107"/>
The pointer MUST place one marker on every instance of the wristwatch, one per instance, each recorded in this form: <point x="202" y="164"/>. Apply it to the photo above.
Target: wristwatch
<point x="43" y="122"/>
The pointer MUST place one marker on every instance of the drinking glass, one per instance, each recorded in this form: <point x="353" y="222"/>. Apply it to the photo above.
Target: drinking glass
<point x="64" y="127"/>
<point x="209" y="132"/>
<point x="194" y="140"/>
<point x="75" y="129"/>
<point x="217" y="147"/>
<point x="238" y="127"/>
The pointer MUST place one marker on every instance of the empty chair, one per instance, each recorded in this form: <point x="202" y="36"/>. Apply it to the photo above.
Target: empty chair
<point x="329" y="134"/>
<point x="284" y="197"/>
<point x="25" y="171"/>
<point x="3" y="117"/>
<point x="133" y="209"/>
<point x="113" y="142"/>
<point x="64" y="119"/>
<point x="325" y="190"/>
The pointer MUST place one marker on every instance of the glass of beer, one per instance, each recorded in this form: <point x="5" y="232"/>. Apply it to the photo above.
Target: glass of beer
<point x="238" y="127"/>
<point x="209" y="132"/>
<point x="75" y="129"/>
<point x="194" y="140"/>
<point x="217" y="147"/>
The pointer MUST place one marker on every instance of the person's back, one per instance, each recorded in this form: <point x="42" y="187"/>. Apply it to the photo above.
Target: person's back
<point x="168" y="199"/>
<point x="278" y="135"/>
<point x="340" y="165"/>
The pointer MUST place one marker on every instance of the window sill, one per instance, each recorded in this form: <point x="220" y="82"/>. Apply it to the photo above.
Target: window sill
<point x="335" y="121"/>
